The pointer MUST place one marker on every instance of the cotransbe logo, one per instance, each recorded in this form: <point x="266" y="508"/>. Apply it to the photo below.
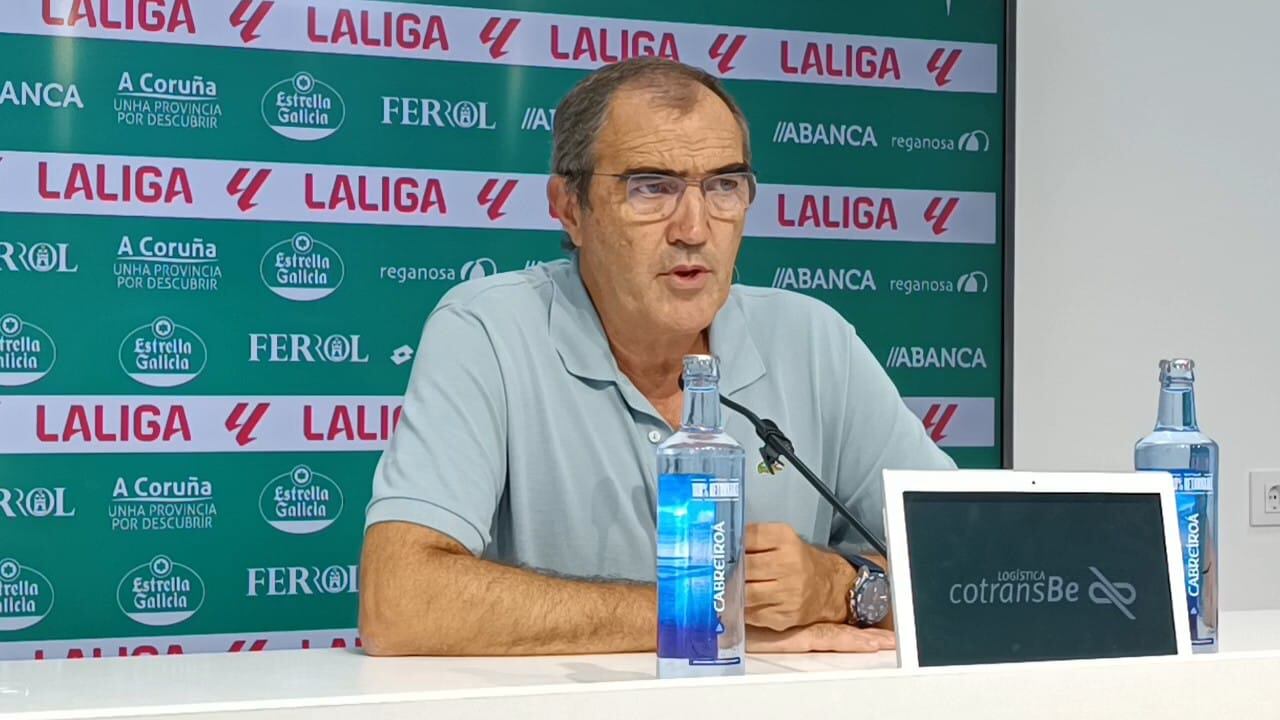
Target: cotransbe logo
<point x="163" y="354"/>
<point x="161" y="592"/>
<point x="303" y="108"/>
<point x="26" y="595"/>
<point x="302" y="269"/>
<point x="1037" y="587"/>
<point x="27" y="352"/>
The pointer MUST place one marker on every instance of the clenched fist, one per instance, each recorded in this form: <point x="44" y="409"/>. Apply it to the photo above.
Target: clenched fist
<point x="790" y="583"/>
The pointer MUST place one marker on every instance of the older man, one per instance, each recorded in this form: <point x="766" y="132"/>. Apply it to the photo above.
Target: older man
<point x="513" y="512"/>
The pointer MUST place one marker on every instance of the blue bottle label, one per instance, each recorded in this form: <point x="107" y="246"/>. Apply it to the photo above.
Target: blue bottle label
<point x="699" y="547"/>
<point x="1194" y="493"/>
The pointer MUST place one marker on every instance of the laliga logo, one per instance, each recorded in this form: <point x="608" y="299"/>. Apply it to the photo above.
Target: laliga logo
<point x="163" y="354"/>
<point x="940" y="65"/>
<point x="302" y="269"/>
<point x="303" y="108"/>
<point x="1105" y="592"/>
<point x="724" y="50"/>
<point x="249" y="22"/>
<point x="26" y="596"/>
<point x="161" y="592"/>
<point x="496" y="33"/>
<point x="300" y="502"/>
<point x="27" y="352"/>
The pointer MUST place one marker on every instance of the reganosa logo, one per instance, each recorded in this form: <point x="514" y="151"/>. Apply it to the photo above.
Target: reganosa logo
<point x="27" y="353"/>
<point x="26" y="596"/>
<point x="303" y="108"/>
<point x="1036" y="587"/>
<point x="160" y="592"/>
<point x="302" y="269"/>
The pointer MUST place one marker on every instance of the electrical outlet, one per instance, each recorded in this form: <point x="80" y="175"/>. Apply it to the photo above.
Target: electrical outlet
<point x="1264" y="497"/>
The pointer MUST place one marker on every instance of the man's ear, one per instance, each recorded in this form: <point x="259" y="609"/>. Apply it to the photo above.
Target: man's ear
<point x="564" y="205"/>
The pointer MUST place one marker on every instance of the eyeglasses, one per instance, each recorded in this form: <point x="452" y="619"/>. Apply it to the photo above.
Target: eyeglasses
<point x="653" y="197"/>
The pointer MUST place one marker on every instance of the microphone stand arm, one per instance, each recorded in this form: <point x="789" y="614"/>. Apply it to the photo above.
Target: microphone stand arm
<point x="777" y="444"/>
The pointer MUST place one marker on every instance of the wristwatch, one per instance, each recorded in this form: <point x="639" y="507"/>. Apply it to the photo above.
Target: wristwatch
<point x="869" y="599"/>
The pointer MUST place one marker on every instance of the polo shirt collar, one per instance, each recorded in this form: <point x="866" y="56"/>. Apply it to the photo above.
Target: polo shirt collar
<point x="583" y="346"/>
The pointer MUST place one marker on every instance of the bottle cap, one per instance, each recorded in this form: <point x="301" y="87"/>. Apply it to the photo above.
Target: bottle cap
<point x="1178" y="368"/>
<point x="704" y="367"/>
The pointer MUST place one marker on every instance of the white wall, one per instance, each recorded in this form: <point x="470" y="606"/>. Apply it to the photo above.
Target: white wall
<point x="1148" y="225"/>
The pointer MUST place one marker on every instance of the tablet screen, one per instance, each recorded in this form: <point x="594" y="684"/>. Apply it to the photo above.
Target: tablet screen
<point x="1015" y="577"/>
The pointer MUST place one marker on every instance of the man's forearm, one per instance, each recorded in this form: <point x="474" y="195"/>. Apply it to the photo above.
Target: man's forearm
<point x="455" y="604"/>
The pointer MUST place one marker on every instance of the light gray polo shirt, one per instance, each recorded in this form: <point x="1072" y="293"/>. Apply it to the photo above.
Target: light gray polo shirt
<point x="522" y="440"/>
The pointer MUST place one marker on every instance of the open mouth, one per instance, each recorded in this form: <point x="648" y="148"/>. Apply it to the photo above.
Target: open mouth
<point x="689" y="273"/>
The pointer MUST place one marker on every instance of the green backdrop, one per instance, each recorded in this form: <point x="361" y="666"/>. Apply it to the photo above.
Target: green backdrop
<point x="223" y="222"/>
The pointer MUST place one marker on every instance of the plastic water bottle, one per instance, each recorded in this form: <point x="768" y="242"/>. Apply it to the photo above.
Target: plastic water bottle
<point x="1178" y="447"/>
<point x="701" y="578"/>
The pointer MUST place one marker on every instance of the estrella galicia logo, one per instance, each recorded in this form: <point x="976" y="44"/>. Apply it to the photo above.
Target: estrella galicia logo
<point x="302" y="269"/>
<point x="26" y="596"/>
<point x="300" y="502"/>
<point x="160" y="592"/>
<point x="478" y="268"/>
<point x="163" y="354"/>
<point x="303" y="108"/>
<point x="27" y="352"/>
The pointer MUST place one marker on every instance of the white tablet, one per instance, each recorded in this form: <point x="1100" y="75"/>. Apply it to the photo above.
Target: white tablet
<point x="993" y="566"/>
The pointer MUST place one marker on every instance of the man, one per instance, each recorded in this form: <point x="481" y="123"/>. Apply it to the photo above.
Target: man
<point x="513" y="512"/>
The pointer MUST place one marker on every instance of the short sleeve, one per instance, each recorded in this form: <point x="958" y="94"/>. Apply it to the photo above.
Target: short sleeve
<point x="445" y="467"/>
<point x="880" y="433"/>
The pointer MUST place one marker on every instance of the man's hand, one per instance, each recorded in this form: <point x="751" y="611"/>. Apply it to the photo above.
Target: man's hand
<point x="790" y="583"/>
<point x="822" y="637"/>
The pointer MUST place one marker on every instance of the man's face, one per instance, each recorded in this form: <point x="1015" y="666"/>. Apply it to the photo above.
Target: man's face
<point x="670" y="275"/>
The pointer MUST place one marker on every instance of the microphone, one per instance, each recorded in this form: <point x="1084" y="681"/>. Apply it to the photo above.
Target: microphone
<point x="776" y="444"/>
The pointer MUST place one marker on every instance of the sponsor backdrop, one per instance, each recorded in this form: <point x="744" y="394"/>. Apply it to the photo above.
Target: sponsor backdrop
<point x="222" y="224"/>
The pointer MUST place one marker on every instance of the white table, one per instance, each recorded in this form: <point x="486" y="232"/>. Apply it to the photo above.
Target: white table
<point x="1240" y="682"/>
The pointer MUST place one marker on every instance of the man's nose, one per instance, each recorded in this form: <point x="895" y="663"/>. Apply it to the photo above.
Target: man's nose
<point x="690" y="223"/>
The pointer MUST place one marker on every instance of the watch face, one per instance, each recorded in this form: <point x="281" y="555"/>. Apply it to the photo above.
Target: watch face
<point x="873" y="599"/>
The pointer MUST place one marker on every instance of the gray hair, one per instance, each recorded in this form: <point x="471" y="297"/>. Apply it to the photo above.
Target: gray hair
<point x="581" y="114"/>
